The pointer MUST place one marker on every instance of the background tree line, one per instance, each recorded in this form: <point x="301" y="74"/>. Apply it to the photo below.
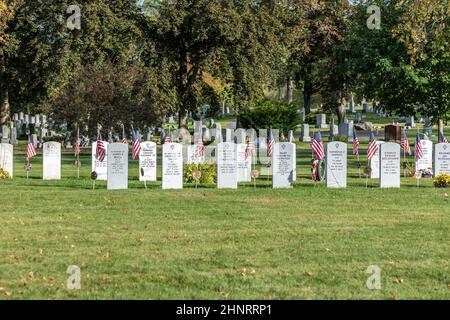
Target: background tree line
<point x="134" y="62"/>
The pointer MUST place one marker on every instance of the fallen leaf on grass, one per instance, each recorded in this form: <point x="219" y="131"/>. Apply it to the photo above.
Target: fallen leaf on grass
<point x="311" y="274"/>
<point x="8" y="293"/>
<point x="399" y="281"/>
<point x="40" y="251"/>
<point x="31" y="275"/>
<point x="243" y="272"/>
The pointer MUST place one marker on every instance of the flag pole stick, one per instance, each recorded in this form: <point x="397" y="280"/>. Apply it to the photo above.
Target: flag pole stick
<point x="359" y="165"/>
<point x="28" y="167"/>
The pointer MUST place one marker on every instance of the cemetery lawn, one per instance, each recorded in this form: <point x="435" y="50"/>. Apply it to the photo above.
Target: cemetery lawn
<point x="305" y="243"/>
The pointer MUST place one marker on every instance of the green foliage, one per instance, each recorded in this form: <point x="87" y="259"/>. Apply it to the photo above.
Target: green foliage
<point x="340" y="138"/>
<point x="270" y="114"/>
<point x="208" y="173"/>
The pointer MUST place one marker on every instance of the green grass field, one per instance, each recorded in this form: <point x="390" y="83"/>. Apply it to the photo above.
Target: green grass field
<point x="252" y="243"/>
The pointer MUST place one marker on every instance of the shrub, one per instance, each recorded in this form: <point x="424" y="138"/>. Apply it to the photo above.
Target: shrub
<point x="340" y="138"/>
<point x="442" y="181"/>
<point x="270" y="114"/>
<point x="4" y="175"/>
<point x="209" y="173"/>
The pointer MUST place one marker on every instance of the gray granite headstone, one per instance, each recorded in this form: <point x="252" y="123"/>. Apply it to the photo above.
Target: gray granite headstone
<point x="117" y="166"/>
<point x="390" y="165"/>
<point x="336" y="168"/>
<point x="441" y="158"/>
<point x="410" y="122"/>
<point x="52" y="161"/>
<point x="321" y="121"/>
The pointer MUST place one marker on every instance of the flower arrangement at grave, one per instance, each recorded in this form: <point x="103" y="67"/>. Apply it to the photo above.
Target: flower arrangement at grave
<point x="4" y="175"/>
<point x="442" y="181"/>
<point x="426" y="173"/>
<point x="208" y="173"/>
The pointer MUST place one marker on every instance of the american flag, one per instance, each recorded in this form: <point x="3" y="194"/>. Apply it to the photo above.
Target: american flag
<point x="270" y="144"/>
<point x="419" y="148"/>
<point x="125" y="139"/>
<point x="31" y="150"/>
<point x="356" y="143"/>
<point x="136" y="146"/>
<point x="78" y="144"/>
<point x="317" y="146"/>
<point x="249" y="150"/>
<point x="442" y="138"/>
<point x="405" y="145"/>
<point x="373" y="146"/>
<point x="168" y="138"/>
<point x="200" y="148"/>
<point x="101" y="148"/>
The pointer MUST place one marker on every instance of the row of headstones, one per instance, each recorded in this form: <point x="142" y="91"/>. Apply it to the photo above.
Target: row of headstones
<point x="22" y="124"/>
<point x="232" y="166"/>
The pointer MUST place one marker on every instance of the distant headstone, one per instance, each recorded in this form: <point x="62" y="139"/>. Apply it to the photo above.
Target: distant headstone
<point x="321" y="121"/>
<point x="198" y="131"/>
<point x="358" y="118"/>
<point x="283" y="169"/>
<point x="392" y="133"/>
<point x="366" y="107"/>
<point x="147" y="161"/>
<point x="6" y="158"/>
<point x="244" y="166"/>
<point x="346" y="130"/>
<point x="117" y="166"/>
<point x="441" y="159"/>
<point x="14" y="140"/>
<point x="375" y="164"/>
<point x="227" y="177"/>
<point x="227" y="135"/>
<point x="336" y="164"/>
<point x="351" y="104"/>
<point x="101" y="168"/>
<point x="428" y="127"/>
<point x="172" y="177"/>
<point x="305" y="133"/>
<point x="52" y="161"/>
<point x="240" y="136"/>
<point x="390" y="165"/>
<point x="426" y="163"/>
<point x="21" y="116"/>
<point x="410" y="122"/>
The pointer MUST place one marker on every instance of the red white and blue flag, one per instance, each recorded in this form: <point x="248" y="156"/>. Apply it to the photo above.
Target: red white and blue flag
<point x="405" y="145"/>
<point x="100" y="152"/>
<point x="317" y="146"/>
<point x="31" y="150"/>
<point x="419" y="148"/>
<point x="200" y="148"/>
<point x="168" y="138"/>
<point x="78" y="144"/>
<point x="356" y="143"/>
<point x="136" y="146"/>
<point x="249" y="150"/>
<point x="270" y="143"/>
<point x="373" y="146"/>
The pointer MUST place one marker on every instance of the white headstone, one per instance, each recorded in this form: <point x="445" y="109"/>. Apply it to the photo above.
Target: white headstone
<point x="172" y="175"/>
<point x="227" y="177"/>
<point x="305" y="133"/>
<point x="336" y="169"/>
<point x="375" y="163"/>
<point x="52" y="161"/>
<point x="390" y="165"/>
<point x="147" y="161"/>
<point x="321" y="121"/>
<point x="283" y="168"/>
<point x="117" y="166"/>
<point x="101" y="168"/>
<point x="441" y="159"/>
<point x="426" y="163"/>
<point x="6" y="158"/>
<point x="244" y="166"/>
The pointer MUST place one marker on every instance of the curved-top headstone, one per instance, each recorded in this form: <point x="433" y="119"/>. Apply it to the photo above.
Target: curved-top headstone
<point x="101" y="168"/>
<point x="441" y="158"/>
<point x="426" y="163"/>
<point x="52" y="161"/>
<point x="117" y="166"/>
<point x="147" y="161"/>
<point x="6" y="158"/>
<point x="336" y="169"/>
<point x="390" y="165"/>
<point x="172" y="175"/>
<point x="283" y="168"/>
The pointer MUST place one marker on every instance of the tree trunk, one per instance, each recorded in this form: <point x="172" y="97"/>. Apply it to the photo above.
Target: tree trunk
<point x="183" y="118"/>
<point x="289" y="90"/>
<point x="307" y="95"/>
<point x="5" y="109"/>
